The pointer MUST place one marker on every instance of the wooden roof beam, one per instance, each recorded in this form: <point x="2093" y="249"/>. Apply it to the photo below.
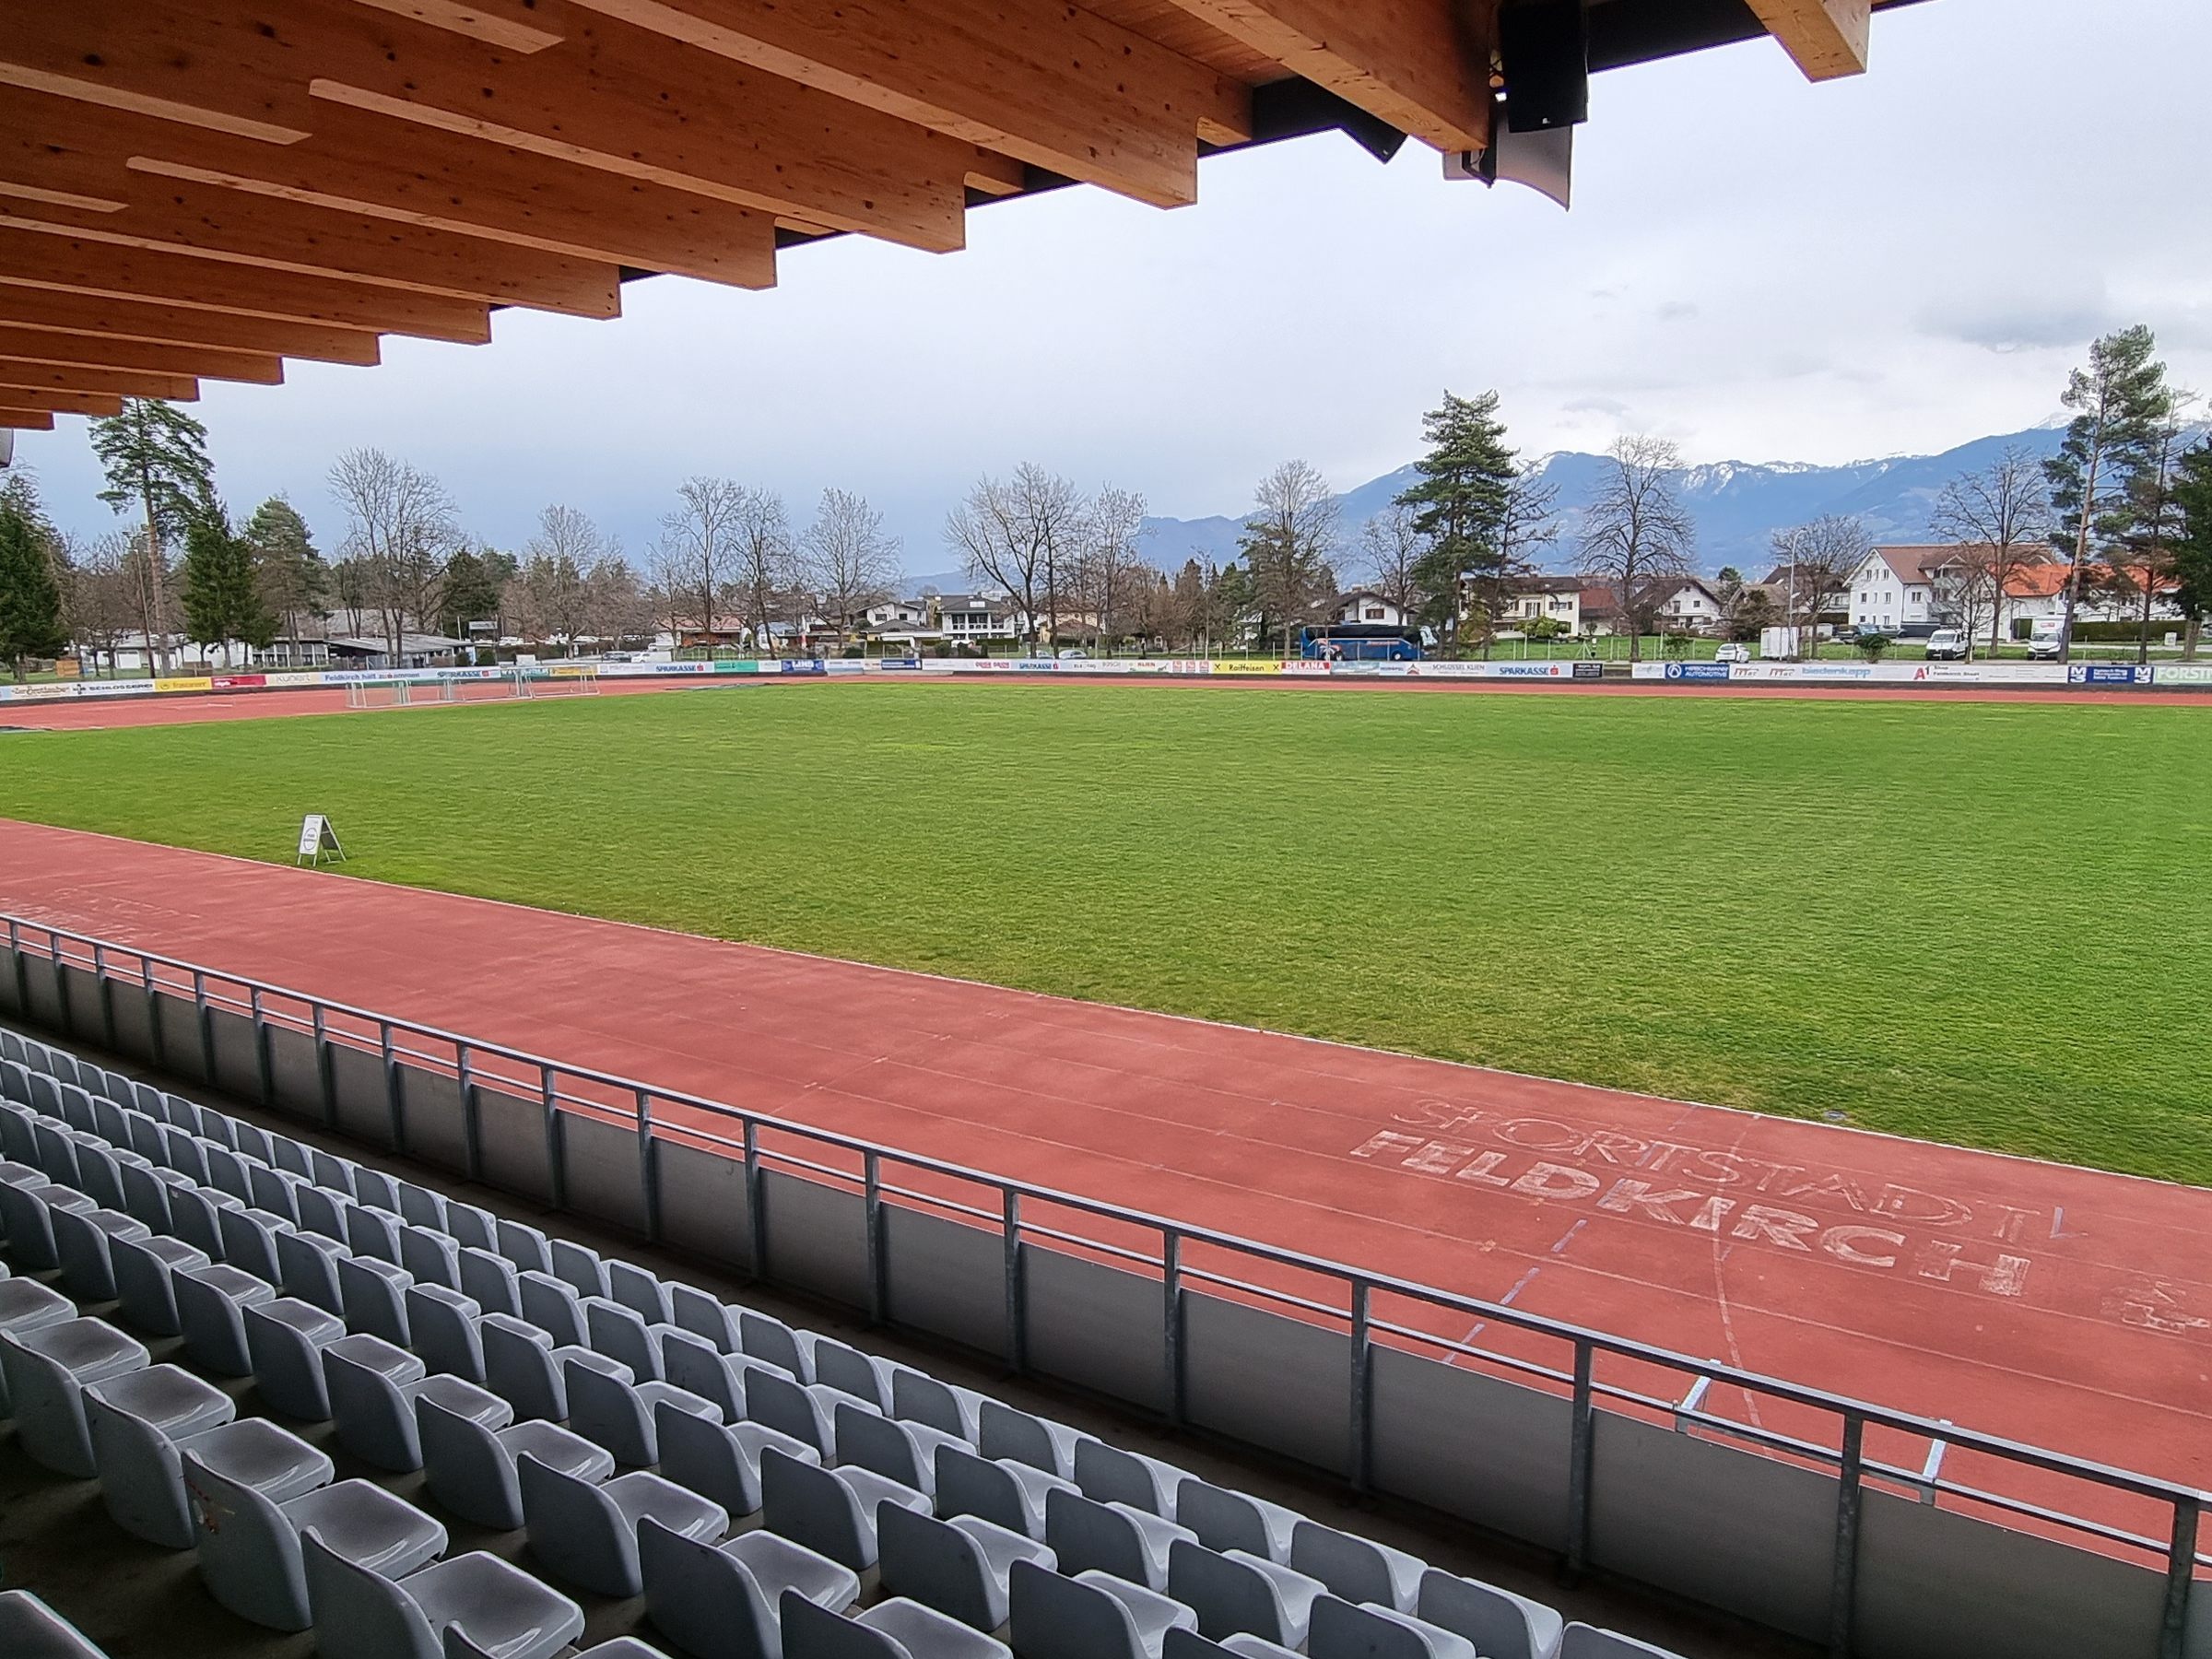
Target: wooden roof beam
<point x="608" y="96"/>
<point x="517" y="25"/>
<point x="28" y="420"/>
<point x="62" y="403"/>
<point x="15" y="375"/>
<point x="104" y="318"/>
<point x="1423" y="65"/>
<point x="1051" y="83"/>
<point x="22" y="345"/>
<point x="117" y="271"/>
<point x="410" y="175"/>
<point x="1827" y="39"/>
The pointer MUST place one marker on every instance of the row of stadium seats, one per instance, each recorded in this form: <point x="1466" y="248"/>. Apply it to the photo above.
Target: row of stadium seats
<point x="768" y="1491"/>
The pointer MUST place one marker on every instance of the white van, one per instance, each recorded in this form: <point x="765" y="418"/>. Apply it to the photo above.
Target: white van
<point x="2047" y="637"/>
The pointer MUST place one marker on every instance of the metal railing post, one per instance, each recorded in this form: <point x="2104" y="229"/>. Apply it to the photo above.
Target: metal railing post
<point x="755" y="1213"/>
<point x="557" y="1142"/>
<point x="1018" y="1332"/>
<point x="325" y="1081"/>
<point x="157" y="1039"/>
<point x="61" y="983"/>
<point x="1842" y="1596"/>
<point x="1579" y="1450"/>
<point x="871" y="1168"/>
<point x="107" y="1004"/>
<point x="648" y="1167"/>
<point x="1360" y="1438"/>
<point x="263" y="1082"/>
<point x="207" y="1023"/>
<point x="2181" y="1577"/>
<point x="394" y="1109"/>
<point x="1173" y="1374"/>
<point x="22" y="973"/>
<point x="472" y="1127"/>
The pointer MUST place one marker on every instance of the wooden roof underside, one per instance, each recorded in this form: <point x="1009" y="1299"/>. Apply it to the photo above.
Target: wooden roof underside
<point x="198" y="189"/>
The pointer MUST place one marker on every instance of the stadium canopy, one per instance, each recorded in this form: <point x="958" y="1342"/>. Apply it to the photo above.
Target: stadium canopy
<point x="198" y="189"/>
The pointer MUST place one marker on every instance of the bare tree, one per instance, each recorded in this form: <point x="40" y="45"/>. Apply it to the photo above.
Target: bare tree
<point x="1636" y="535"/>
<point x="1110" y="572"/>
<point x="765" y="561"/>
<point x="1816" y="563"/>
<point x="1289" y="540"/>
<point x="400" y="526"/>
<point x="695" y="555"/>
<point x="849" y="562"/>
<point x="1020" y="537"/>
<point x="616" y="608"/>
<point x="2001" y="519"/>
<point x="1391" y="549"/>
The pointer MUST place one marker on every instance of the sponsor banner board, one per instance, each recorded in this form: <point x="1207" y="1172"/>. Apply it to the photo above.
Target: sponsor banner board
<point x="1648" y="671"/>
<point x="2100" y="674"/>
<point x="1699" y="671"/>
<point x="2182" y="674"/>
<point x="190" y="682"/>
<point x="1244" y="667"/>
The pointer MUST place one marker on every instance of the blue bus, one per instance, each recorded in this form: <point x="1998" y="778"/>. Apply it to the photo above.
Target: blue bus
<point x="1359" y="642"/>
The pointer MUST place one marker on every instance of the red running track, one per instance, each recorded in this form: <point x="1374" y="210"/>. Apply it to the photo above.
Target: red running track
<point x="2060" y="1306"/>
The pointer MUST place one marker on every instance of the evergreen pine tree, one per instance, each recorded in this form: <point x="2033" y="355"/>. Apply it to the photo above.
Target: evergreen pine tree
<point x="1460" y="506"/>
<point x="156" y="459"/>
<point x="30" y="598"/>
<point x="294" y="581"/>
<point x="222" y="599"/>
<point x="2118" y="400"/>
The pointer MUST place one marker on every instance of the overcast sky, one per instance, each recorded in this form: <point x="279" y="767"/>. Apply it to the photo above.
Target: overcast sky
<point x="1755" y="267"/>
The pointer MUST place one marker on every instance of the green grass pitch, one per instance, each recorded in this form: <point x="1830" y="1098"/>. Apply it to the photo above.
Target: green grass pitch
<point x="1980" y="923"/>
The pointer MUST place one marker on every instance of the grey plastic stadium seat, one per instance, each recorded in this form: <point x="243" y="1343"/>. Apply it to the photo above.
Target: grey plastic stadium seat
<point x="371" y="1231"/>
<point x="579" y="1267"/>
<point x="376" y="1190"/>
<point x="31" y="1630"/>
<point x="726" y="1601"/>
<point x="374" y="1295"/>
<point x="1188" y="1644"/>
<point x="286" y="1339"/>
<point x="307" y="1268"/>
<point x="1225" y="1520"/>
<point x="1341" y="1630"/>
<point x="373" y="1387"/>
<point x="470" y="1225"/>
<point x="1112" y="1475"/>
<point x="29" y="1213"/>
<point x="1119" y="1538"/>
<point x="142" y="1474"/>
<point x="1237" y="1593"/>
<point x="145" y="1274"/>
<point x="831" y="1511"/>
<point x="146" y="1195"/>
<point x="794" y="1408"/>
<point x="621" y="1647"/>
<point x="524" y="1245"/>
<point x="503" y="1611"/>
<point x="56" y="1144"/>
<point x="1083" y="1617"/>
<point x="227" y="1170"/>
<point x="1500" y="1624"/>
<point x="470" y="1467"/>
<point x="919" y="1398"/>
<point x="553" y="1306"/>
<point x="185" y="1152"/>
<point x="1004" y="1433"/>
<point x="331" y="1172"/>
<point x="891" y="1630"/>
<point x="524" y="1367"/>
<point x="420" y="1207"/>
<point x="252" y="1141"/>
<point x="776" y="1343"/>
<point x="100" y="1174"/>
<point x="323" y="1211"/>
<point x="588" y="1534"/>
<point x="276" y="1190"/>
<point x="248" y="1238"/>
<point x="621" y="1334"/>
<point x="614" y="1412"/>
<point x="47" y="1369"/>
<point x="249" y="1547"/>
<point x="844" y="1368"/>
<point x="720" y="1461"/>
<point x="294" y="1157"/>
<point x="444" y="1325"/>
<point x="1356" y="1569"/>
<point x="905" y="1452"/>
<point x="490" y="1280"/>
<point x="642" y="1292"/>
<point x="693" y="1362"/>
<point x="25" y="1305"/>
<point x="959" y="1567"/>
<point x="211" y="1304"/>
<point x="429" y="1257"/>
<point x="693" y="1310"/>
<point x="134" y="1423"/>
<point x="1011" y="1494"/>
<point x="197" y="1214"/>
<point x="1587" y="1641"/>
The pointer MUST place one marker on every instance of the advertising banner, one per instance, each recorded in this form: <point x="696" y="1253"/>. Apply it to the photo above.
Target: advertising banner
<point x="187" y="683"/>
<point x="2182" y="674"/>
<point x="1245" y="667"/>
<point x="2100" y="674"/>
<point x="1699" y="671"/>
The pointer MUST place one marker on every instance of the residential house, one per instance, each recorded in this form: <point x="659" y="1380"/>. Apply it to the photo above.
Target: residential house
<point x="1366" y="607"/>
<point x="2041" y="591"/>
<point x="1546" y="599"/>
<point x="1666" y="606"/>
<point x="1895" y="590"/>
<point x="975" y="618"/>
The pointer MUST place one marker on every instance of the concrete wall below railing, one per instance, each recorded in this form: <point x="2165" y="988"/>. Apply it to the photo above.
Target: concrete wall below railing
<point x="1693" y="1514"/>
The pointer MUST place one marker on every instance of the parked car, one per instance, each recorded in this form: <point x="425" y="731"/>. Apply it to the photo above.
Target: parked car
<point x="2047" y="639"/>
<point x="1947" y="645"/>
<point x="1072" y="653"/>
<point x="1732" y="650"/>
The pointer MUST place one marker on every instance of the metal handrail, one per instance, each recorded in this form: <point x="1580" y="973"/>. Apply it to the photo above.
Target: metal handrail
<point x="1362" y="1284"/>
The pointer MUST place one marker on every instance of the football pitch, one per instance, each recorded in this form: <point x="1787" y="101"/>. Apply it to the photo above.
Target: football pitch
<point x="1978" y="922"/>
